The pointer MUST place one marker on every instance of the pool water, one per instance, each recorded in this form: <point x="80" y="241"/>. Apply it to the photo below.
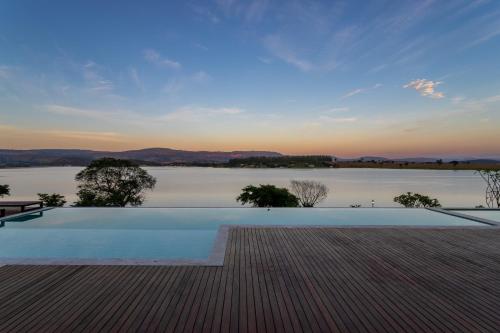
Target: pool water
<point x="174" y="233"/>
<point x="493" y="215"/>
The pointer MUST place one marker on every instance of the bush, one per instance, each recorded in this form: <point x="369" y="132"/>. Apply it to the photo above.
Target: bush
<point x="52" y="200"/>
<point x="416" y="200"/>
<point x="4" y="190"/>
<point x="267" y="196"/>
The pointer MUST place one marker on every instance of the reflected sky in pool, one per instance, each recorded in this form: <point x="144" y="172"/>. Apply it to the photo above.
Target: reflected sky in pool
<point x="174" y="233"/>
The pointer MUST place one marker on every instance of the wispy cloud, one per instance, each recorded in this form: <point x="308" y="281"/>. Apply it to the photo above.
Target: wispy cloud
<point x="361" y="90"/>
<point x="183" y="114"/>
<point x="281" y="50"/>
<point x="86" y="135"/>
<point x="155" y="58"/>
<point x="175" y="85"/>
<point x="95" y="81"/>
<point x="492" y="99"/>
<point x="256" y="10"/>
<point x="205" y="13"/>
<point x="14" y="136"/>
<point x="81" y="112"/>
<point x="336" y="110"/>
<point x="134" y="75"/>
<point x="200" y="46"/>
<point x="195" y="114"/>
<point x="252" y="10"/>
<point x="486" y="37"/>
<point x="265" y="60"/>
<point x="378" y="68"/>
<point x="4" y="72"/>
<point x="338" y="120"/>
<point x="425" y="88"/>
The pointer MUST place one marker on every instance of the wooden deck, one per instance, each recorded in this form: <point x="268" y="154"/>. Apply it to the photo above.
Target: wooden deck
<point x="285" y="280"/>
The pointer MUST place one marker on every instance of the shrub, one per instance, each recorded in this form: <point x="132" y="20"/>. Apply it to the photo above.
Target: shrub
<point x="52" y="200"/>
<point x="267" y="196"/>
<point x="416" y="200"/>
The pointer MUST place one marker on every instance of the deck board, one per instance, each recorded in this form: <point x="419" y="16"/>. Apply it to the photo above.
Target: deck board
<point x="276" y="280"/>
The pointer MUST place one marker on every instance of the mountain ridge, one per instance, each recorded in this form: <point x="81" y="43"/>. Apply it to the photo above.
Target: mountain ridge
<point x="149" y="156"/>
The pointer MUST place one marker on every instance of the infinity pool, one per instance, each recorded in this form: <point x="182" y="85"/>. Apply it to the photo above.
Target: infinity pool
<point x="173" y="233"/>
<point x="493" y="215"/>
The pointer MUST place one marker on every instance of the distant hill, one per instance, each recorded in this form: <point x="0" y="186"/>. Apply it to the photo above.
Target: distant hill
<point x="150" y="156"/>
<point x="166" y="156"/>
<point x="373" y="158"/>
<point x="483" y="161"/>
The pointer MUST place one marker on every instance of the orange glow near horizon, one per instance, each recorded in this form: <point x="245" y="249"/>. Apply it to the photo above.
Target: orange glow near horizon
<point x="471" y="143"/>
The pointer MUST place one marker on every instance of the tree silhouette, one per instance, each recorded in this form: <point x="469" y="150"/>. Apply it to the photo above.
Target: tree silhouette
<point x="309" y="192"/>
<point x="267" y="196"/>
<point x="492" y="179"/>
<point x="113" y="182"/>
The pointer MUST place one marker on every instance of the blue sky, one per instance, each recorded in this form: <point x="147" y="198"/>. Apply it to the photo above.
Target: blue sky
<point x="396" y="78"/>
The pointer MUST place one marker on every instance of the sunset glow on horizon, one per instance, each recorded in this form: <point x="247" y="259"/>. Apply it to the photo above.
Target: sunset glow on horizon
<point x="394" y="79"/>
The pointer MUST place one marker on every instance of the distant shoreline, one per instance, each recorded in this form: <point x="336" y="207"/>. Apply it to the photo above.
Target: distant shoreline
<point x="339" y="165"/>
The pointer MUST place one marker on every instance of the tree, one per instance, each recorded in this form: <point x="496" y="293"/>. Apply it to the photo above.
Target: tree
<point x="492" y="179"/>
<point x="416" y="200"/>
<point x="113" y="182"/>
<point x="52" y="200"/>
<point x="309" y="192"/>
<point x="4" y="190"/>
<point x="267" y="196"/>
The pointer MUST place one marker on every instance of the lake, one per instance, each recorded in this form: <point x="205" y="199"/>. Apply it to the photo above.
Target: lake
<point x="218" y="187"/>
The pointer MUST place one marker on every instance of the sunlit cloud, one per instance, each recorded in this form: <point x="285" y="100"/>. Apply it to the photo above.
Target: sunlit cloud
<point x="155" y="58"/>
<point x="425" y="88"/>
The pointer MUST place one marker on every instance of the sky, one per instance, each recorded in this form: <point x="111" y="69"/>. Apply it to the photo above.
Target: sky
<point x="395" y="78"/>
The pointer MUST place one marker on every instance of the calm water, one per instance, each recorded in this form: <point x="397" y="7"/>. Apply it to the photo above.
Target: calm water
<point x="209" y="187"/>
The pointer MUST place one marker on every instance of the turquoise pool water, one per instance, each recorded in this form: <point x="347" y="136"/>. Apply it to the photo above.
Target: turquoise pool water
<point x="173" y="233"/>
<point x="493" y="215"/>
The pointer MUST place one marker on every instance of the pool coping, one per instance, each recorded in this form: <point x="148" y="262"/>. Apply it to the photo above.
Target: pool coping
<point x="217" y="254"/>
